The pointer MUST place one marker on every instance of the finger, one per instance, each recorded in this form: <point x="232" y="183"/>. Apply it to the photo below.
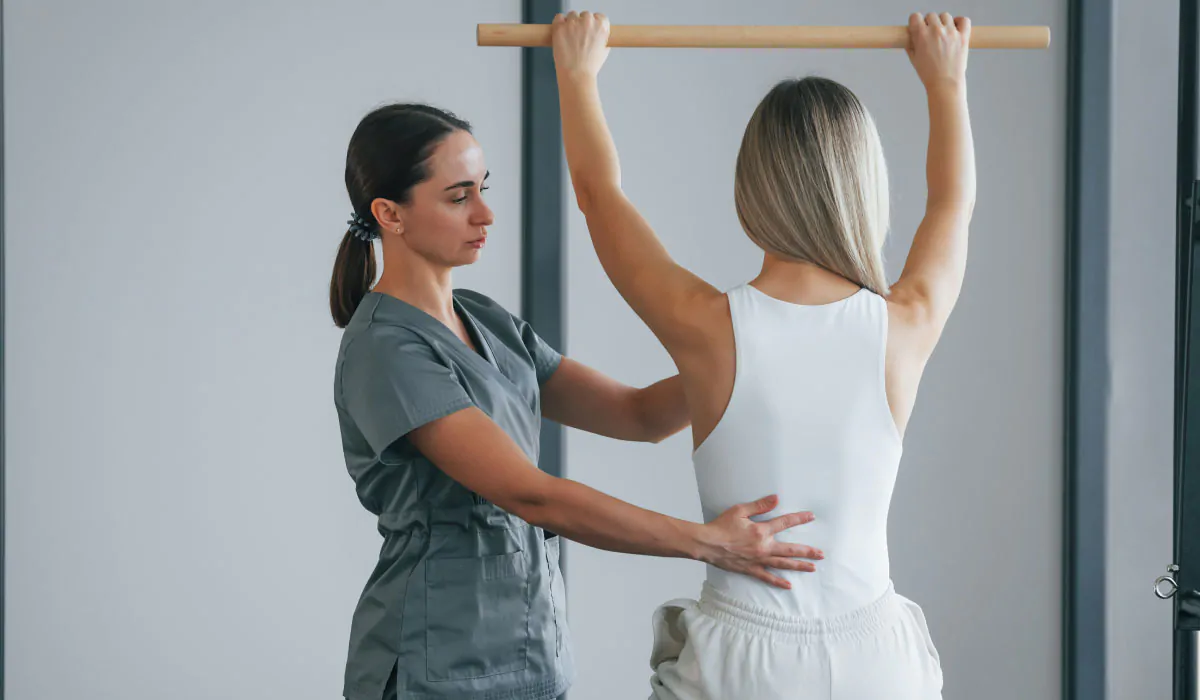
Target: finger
<point x="915" y="23"/>
<point x="585" y="15"/>
<point x="784" y="522"/>
<point x="964" y="25"/>
<point x="932" y="20"/>
<point x="572" y="16"/>
<point x="796" y="551"/>
<point x="558" y="18"/>
<point x="763" y="505"/>
<point x="947" y="20"/>
<point x="767" y="577"/>
<point x="790" y="564"/>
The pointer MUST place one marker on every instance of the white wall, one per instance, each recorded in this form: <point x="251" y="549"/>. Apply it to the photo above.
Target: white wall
<point x="1142" y="331"/>
<point x="179" y="520"/>
<point x="975" y="524"/>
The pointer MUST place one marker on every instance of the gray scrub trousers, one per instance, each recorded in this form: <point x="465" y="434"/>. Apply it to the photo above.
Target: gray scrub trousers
<point x="467" y="600"/>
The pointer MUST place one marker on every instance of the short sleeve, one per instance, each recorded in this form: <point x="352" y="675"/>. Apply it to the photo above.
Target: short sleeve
<point x="545" y="358"/>
<point x="394" y="385"/>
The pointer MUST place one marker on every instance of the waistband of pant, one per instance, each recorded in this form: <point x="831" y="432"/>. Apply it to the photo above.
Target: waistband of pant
<point x="854" y="624"/>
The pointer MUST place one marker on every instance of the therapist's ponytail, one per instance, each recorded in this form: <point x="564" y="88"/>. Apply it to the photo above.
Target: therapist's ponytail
<point x="385" y="160"/>
<point x="353" y="274"/>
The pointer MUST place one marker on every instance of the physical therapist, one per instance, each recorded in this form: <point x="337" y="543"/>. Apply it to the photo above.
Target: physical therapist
<point x="439" y="394"/>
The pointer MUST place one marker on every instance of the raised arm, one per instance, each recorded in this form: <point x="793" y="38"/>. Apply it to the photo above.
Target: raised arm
<point x="669" y="299"/>
<point x="471" y="449"/>
<point x="933" y="273"/>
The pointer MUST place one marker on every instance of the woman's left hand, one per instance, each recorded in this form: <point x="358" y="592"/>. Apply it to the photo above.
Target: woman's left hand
<point x="580" y="42"/>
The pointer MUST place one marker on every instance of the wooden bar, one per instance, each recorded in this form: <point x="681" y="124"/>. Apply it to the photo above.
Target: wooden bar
<point x="763" y="37"/>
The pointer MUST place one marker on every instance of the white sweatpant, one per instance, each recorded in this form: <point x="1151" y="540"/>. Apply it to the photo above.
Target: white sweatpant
<point x="718" y="649"/>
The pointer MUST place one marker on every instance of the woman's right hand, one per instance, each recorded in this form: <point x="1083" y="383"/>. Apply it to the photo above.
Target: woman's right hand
<point x="938" y="46"/>
<point x="736" y="543"/>
<point x="580" y="43"/>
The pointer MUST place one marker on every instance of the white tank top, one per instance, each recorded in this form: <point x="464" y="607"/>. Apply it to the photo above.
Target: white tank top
<point x="808" y="420"/>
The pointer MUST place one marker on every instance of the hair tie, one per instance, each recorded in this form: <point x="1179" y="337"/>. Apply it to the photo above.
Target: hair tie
<point x="362" y="229"/>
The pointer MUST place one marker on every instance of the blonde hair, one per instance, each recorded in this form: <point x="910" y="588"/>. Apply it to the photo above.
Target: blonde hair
<point x="811" y="181"/>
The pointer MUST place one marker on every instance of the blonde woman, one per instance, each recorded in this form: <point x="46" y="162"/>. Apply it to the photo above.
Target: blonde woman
<point x="800" y="382"/>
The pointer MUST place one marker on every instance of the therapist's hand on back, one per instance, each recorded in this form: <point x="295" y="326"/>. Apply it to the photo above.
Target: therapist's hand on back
<point x="745" y="546"/>
<point x="474" y="451"/>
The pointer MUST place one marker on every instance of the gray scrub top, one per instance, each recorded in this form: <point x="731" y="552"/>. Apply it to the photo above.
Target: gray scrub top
<point x="467" y="600"/>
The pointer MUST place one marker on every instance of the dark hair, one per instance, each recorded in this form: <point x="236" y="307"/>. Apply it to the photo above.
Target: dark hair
<point x="386" y="159"/>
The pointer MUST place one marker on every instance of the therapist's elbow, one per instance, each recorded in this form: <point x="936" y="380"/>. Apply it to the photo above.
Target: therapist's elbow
<point x="532" y="501"/>
<point x="654" y="431"/>
<point x="655" y="437"/>
<point x="657" y="433"/>
<point x="655" y="422"/>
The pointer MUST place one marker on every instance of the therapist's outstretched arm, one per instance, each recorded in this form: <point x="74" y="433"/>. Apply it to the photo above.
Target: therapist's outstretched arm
<point x="586" y="399"/>
<point x="471" y="449"/>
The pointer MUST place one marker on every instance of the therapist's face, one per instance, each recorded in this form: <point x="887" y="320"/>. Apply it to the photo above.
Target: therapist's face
<point x="446" y="219"/>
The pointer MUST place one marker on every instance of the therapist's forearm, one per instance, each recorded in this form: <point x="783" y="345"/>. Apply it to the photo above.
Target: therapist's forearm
<point x="662" y="409"/>
<point x="473" y="450"/>
<point x="585" y="515"/>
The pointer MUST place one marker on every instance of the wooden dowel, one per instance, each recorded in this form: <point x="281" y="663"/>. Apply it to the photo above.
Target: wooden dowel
<point x="763" y="37"/>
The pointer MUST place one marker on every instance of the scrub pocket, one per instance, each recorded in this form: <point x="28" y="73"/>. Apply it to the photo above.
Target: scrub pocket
<point x="477" y="616"/>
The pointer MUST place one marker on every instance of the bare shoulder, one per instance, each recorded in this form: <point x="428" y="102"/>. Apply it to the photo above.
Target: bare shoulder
<point x="685" y="317"/>
<point x="704" y="321"/>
